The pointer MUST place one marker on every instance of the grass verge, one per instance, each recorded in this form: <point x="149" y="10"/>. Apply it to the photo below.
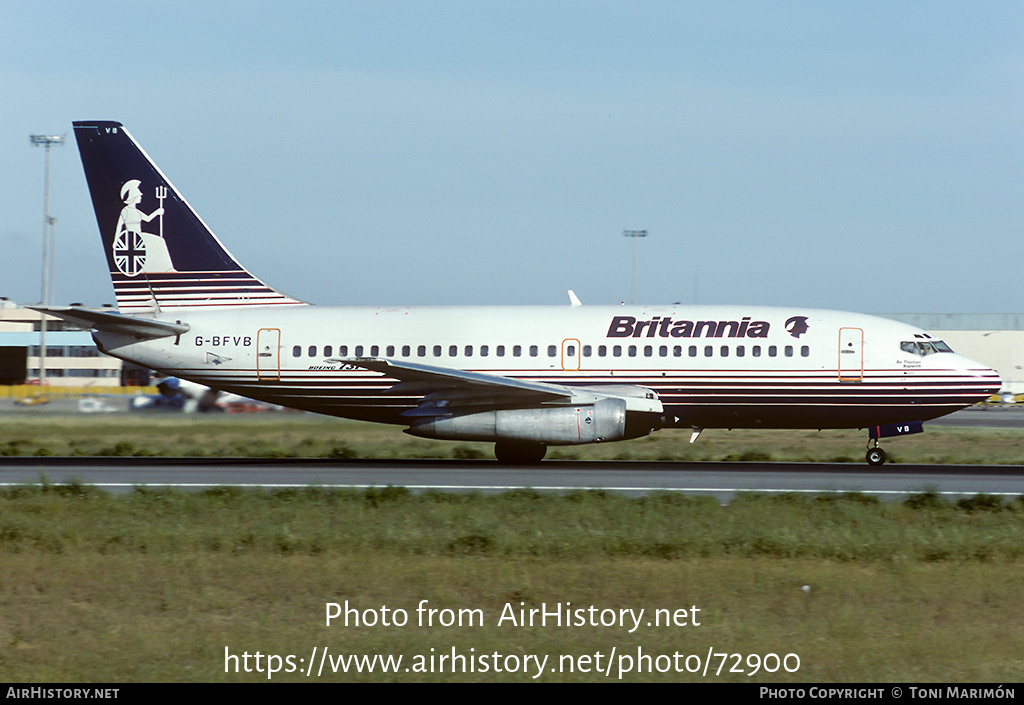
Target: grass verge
<point x="298" y="435"/>
<point x="163" y="585"/>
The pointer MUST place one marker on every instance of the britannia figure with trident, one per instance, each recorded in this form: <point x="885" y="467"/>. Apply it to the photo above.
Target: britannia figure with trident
<point x="136" y="251"/>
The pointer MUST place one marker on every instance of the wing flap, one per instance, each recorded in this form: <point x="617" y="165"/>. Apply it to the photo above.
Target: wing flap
<point x="442" y="383"/>
<point x="449" y="392"/>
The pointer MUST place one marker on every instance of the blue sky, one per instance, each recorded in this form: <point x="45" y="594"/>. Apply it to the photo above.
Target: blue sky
<point x="856" y="155"/>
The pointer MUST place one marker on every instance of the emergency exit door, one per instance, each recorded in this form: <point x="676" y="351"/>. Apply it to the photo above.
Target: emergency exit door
<point x="570" y="354"/>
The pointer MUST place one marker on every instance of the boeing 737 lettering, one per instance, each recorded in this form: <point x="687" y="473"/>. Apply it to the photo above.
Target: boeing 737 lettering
<point x="524" y="378"/>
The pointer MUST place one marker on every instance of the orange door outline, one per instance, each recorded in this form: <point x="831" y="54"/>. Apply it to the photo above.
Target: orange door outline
<point x="571" y="354"/>
<point x="268" y="354"/>
<point x="851" y="354"/>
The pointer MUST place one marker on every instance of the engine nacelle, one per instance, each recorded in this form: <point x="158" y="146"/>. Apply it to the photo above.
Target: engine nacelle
<point x="603" y="420"/>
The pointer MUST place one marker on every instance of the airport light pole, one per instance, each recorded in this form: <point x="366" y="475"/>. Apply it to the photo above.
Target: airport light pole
<point x="636" y="235"/>
<point x="49" y="230"/>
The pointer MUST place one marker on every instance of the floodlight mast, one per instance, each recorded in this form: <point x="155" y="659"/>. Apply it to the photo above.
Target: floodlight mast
<point x="635" y="234"/>
<point x="49" y="230"/>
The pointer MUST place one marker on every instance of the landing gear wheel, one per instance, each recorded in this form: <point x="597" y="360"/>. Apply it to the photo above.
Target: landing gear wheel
<point x="519" y="453"/>
<point x="876" y="456"/>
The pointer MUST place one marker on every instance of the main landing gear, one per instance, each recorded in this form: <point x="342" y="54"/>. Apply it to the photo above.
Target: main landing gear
<point x="519" y="452"/>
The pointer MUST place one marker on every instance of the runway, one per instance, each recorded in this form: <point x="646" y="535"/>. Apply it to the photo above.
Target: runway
<point x="716" y="479"/>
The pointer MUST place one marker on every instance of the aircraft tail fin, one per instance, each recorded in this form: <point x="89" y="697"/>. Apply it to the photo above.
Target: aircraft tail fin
<point x="160" y="253"/>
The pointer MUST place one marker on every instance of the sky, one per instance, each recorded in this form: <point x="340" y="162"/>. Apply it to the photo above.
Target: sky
<point x="863" y="155"/>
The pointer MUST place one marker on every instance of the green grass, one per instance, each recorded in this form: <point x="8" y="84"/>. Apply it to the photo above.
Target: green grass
<point x="154" y="585"/>
<point x="286" y="435"/>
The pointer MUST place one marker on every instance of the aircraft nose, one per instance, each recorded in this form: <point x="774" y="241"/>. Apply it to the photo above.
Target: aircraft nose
<point x="985" y="379"/>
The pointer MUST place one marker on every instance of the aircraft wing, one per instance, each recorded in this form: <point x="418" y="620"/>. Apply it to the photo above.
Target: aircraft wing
<point x="108" y="321"/>
<point x="446" y="391"/>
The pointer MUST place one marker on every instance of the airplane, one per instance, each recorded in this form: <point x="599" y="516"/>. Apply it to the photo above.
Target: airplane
<point x="524" y="378"/>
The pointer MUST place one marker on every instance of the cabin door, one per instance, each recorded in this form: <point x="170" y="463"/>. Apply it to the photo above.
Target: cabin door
<point x="851" y="354"/>
<point x="268" y="354"/>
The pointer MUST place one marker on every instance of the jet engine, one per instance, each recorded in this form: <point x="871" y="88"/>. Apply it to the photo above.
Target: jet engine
<point x="602" y="420"/>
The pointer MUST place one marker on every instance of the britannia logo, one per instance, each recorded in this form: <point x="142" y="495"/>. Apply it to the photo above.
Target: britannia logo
<point x="797" y="326"/>
<point x="136" y="251"/>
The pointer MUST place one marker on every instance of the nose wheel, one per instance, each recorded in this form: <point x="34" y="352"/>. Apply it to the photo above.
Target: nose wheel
<point x="876" y="456"/>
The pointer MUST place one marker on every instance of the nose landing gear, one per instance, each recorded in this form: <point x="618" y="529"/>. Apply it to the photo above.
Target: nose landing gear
<point x="876" y="456"/>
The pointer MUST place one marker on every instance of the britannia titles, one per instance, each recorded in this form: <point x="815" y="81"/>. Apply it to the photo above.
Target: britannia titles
<point x="665" y="327"/>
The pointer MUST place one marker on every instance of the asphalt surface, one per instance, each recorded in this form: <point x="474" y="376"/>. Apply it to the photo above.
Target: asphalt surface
<point x="719" y="480"/>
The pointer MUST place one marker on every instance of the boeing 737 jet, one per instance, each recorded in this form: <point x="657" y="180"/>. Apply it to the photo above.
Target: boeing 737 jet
<point x="524" y="378"/>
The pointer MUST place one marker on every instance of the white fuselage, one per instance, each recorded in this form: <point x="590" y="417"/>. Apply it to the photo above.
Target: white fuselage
<point x="711" y="366"/>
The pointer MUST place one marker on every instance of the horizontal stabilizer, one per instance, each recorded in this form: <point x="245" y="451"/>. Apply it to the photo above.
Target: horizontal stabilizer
<point x="110" y="322"/>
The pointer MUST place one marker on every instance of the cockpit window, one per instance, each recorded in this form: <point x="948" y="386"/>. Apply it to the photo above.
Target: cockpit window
<point x="923" y="348"/>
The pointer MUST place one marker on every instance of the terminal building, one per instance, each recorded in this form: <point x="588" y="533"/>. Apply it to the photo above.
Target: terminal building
<point x="71" y="358"/>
